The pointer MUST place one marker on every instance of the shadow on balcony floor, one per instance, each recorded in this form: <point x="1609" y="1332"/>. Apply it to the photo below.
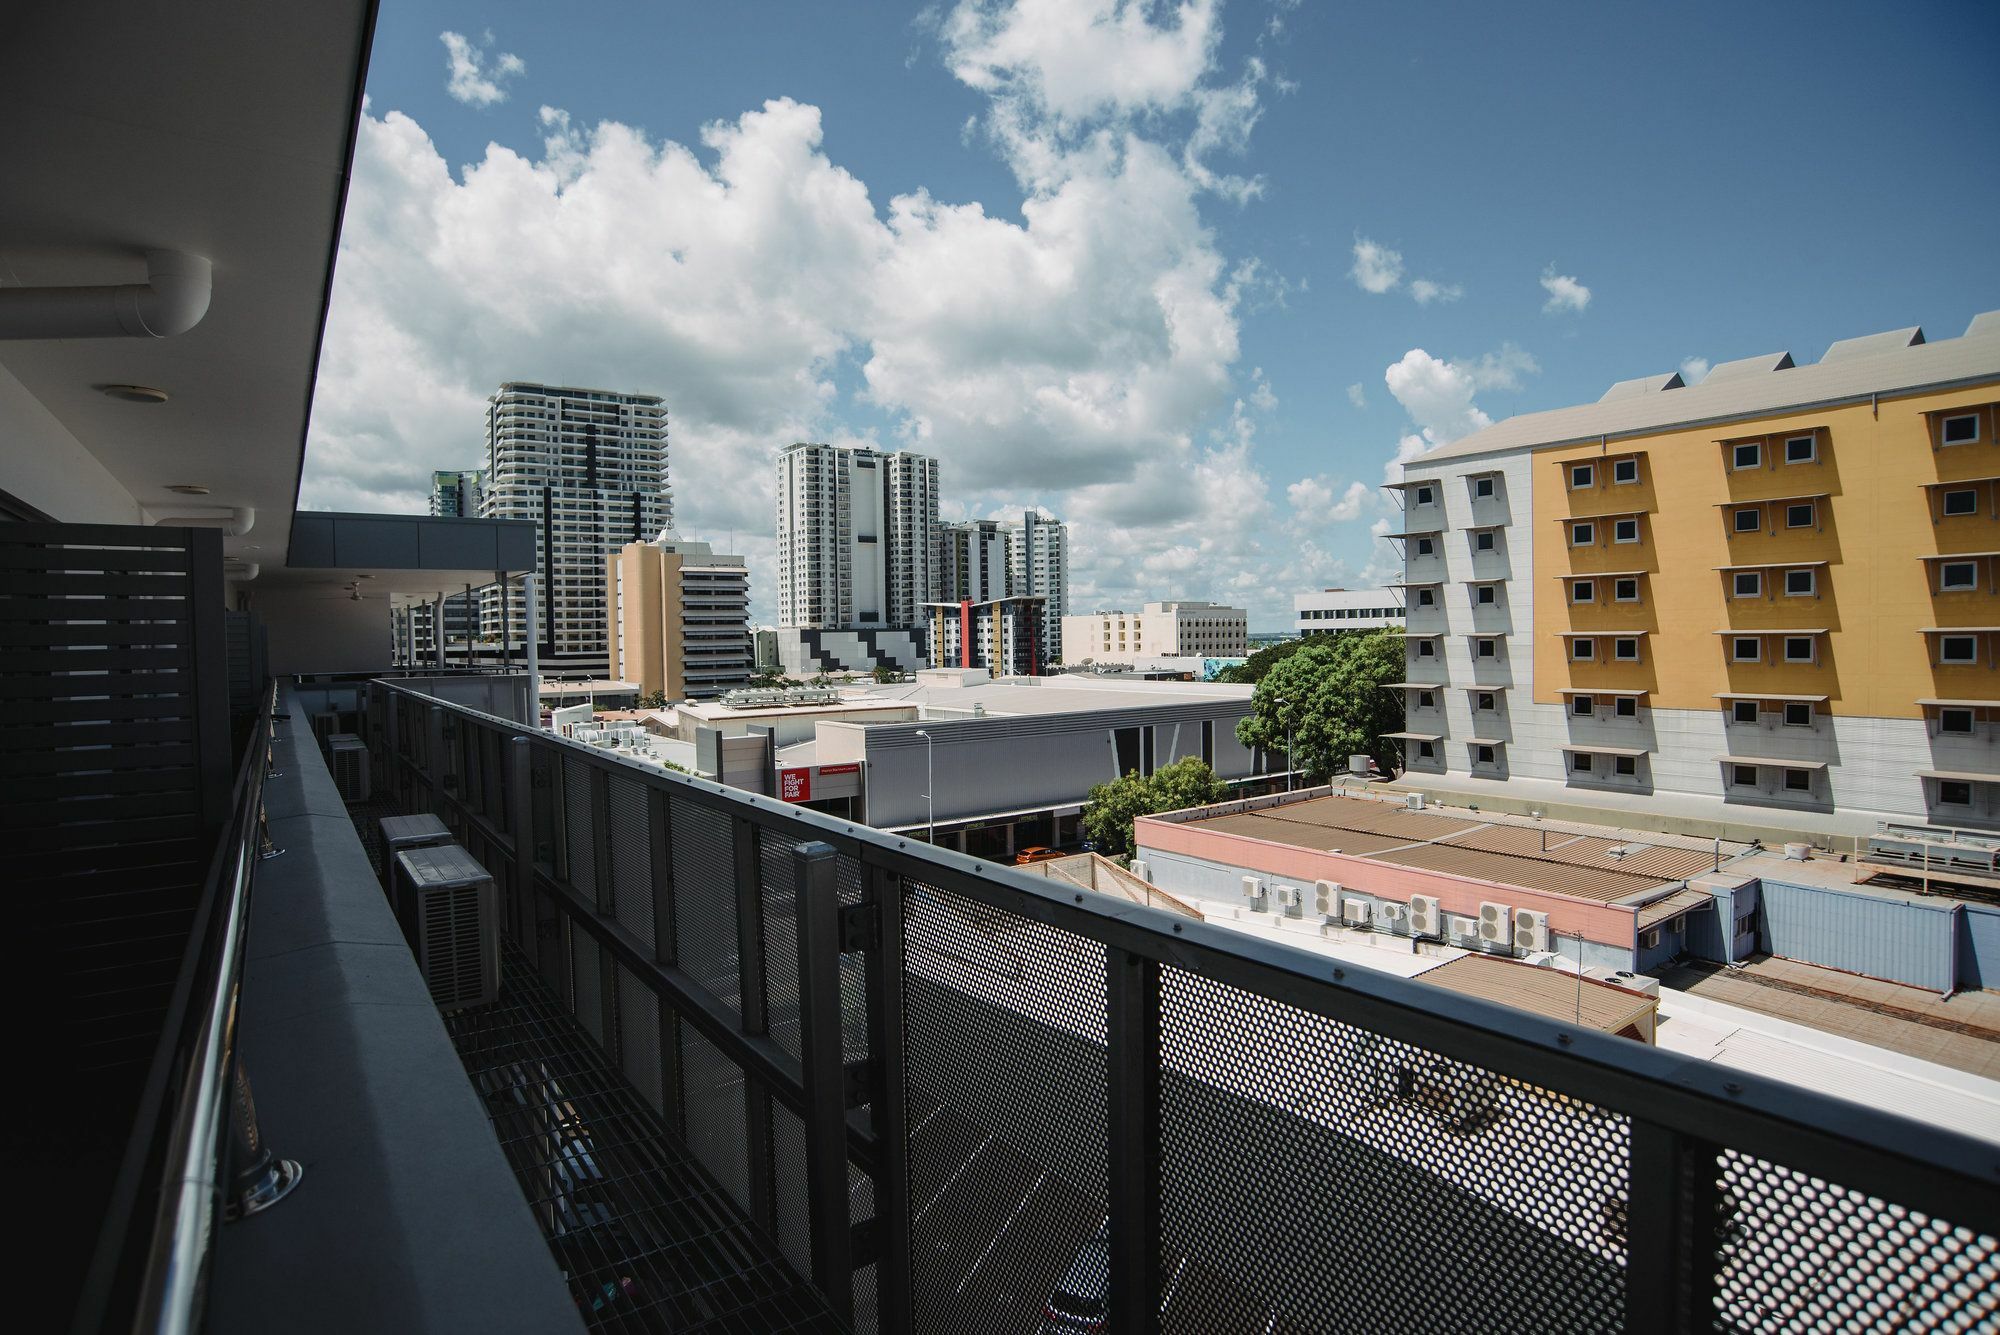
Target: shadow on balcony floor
<point x="647" y="1238"/>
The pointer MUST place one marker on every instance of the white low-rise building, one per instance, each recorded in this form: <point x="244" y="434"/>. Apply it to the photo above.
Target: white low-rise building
<point x="1346" y="609"/>
<point x="1180" y="628"/>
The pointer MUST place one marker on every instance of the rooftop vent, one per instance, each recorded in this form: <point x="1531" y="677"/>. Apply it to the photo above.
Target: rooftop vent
<point x="1986" y="324"/>
<point x="1868" y="345"/>
<point x="1645" y="384"/>
<point x="1749" y="366"/>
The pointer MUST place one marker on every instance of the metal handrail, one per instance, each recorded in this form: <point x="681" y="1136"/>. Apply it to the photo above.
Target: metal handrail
<point x="194" y="1067"/>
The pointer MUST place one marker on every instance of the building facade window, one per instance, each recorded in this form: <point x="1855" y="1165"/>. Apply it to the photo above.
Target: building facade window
<point x="1582" y="706"/>
<point x="1425" y="751"/>
<point x="1957" y="722"/>
<point x="1798" y="781"/>
<point x="1801" y="584"/>
<point x="1625" y="590"/>
<point x="1425" y="700"/>
<point x="1579" y="762"/>
<point x="1425" y="495"/>
<point x="1800" y="514"/>
<point x="1798" y="648"/>
<point x="1746" y="456"/>
<point x="1743" y="711"/>
<point x="1743" y="776"/>
<point x="1625" y="706"/>
<point x="1748" y="584"/>
<point x="1745" y="649"/>
<point x="1583" y="591"/>
<point x="1801" y="449"/>
<point x="1747" y="519"/>
<point x="1625" y="530"/>
<point x="1958" y="576"/>
<point x="1482" y="488"/>
<point x="1582" y="649"/>
<point x="1954" y="793"/>
<point x="1582" y="535"/>
<point x="1958" y="649"/>
<point x="1487" y="648"/>
<point x="1425" y="547"/>
<point x="1483" y="754"/>
<point x="1582" y="476"/>
<point x="1626" y="767"/>
<point x="1798" y="714"/>
<point x="1486" y="702"/>
<point x="1961" y="501"/>
<point x="1484" y="595"/>
<point x="1482" y="541"/>
<point x="1625" y="472"/>
<point x="1960" y="429"/>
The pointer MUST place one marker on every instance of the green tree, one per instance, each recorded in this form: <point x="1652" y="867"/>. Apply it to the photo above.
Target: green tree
<point x="1113" y="806"/>
<point x="884" y="674"/>
<point x="1328" y="697"/>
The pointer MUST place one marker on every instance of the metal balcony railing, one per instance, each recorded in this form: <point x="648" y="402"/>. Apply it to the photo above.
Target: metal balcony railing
<point x="953" y="1094"/>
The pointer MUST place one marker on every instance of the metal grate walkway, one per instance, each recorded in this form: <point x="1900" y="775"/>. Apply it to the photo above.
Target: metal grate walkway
<point x="646" y="1237"/>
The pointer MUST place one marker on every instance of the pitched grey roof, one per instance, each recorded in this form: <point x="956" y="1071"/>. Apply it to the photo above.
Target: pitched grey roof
<point x="1645" y="384"/>
<point x="1877" y="364"/>
<point x="1748" y="366"/>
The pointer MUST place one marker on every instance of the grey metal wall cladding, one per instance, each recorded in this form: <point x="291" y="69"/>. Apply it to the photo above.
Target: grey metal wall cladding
<point x="1709" y="934"/>
<point x="1673" y="940"/>
<point x="1016" y="764"/>
<point x="1864" y="934"/>
<point x="1979" y="947"/>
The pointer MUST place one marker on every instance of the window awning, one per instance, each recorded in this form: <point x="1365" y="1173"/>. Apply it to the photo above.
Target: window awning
<point x="1418" y="634"/>
<point x="1416" y="584"/>
<point x="1773" y="565"/>
<point x="1415" y="736"/>
<point x="1485" y="741"/>
<point x="1603" y="574"/>
<point x="1776" y="630"/>
<point x="1772" y="500"/>
<point x="1772" y="695"/>
<point x="1958" y="775"/>
<point x="1603" y="690"/>
<point x="1768" y="762"/>
<point x="1959" y="482"/>
<point x="1410" y="482"/>
<point x="1960" y="704"/>
<point x="1956" y="556"/>
<point x="1601" y="634"/>
<point x="1958" y="630"/>
<point x="1633" y="751"/>
<point x="1412" y="686"/>
<point x="1414" y="533"/>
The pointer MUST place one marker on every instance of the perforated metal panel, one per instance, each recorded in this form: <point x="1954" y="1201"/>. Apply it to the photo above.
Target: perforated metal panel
<point x="788" y="1194"/>
<point x="639" y="1039"/>
<point x="715" y="1108"/>
<point x="705" y="898"/>
<point x="781" y="936"/>
<point x="578" y="841"/>
<point x="1005" y="1087"/>
<point x="631" y="858"/>
<point x="587" y="978"/>
<point x="1798" y="1254"/>
<point x="1404" y="1191"/>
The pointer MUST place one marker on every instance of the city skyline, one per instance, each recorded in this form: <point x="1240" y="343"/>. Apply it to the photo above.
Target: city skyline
<point x="1190" y="278"/>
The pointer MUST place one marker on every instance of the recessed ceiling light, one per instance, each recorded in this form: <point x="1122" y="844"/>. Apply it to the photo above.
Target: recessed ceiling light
<point x="134" y="393"/>
<point x="187" y="489"/>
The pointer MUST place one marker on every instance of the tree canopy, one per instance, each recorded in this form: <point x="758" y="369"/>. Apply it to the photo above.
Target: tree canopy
<point x="1328" y="693"/>
<point x="1188" y="782"/>
<point x="1252" y="670"/>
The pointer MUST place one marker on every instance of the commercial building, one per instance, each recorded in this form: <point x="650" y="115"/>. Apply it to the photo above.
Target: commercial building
<point x="679" y="618"/>
<point x="588" y="467"/>
<point x="1002" y="635"/>
<point x="1038" y="566"/>
<point x="1761" y="598"/>
<point x="1346" y="609"/>
<point x="765" y="641"/>
<point x="458" y="494"/>
<point x="1182" y="628"/>
<point x="857" y="535"/>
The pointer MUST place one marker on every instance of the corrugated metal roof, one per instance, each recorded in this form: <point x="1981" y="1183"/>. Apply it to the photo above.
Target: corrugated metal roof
<point x="1528" y="873"/>
<point x="1749" y="366"/>
<point x="1258" y="825"/>
<point x="1645" y="384"/>
<point x="1551" y="992"/>
<point x="1853" y="375"/>
<point x="1868" y="345"/>
<point x="1673" y="906"/>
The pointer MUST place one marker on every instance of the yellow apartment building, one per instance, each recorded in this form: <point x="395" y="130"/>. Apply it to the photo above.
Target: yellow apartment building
<point x="678" y="617"/>
<point x="1773" y="595"/>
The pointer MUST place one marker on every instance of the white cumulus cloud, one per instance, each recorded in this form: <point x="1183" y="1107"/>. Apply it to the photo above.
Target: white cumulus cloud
<point x="1694" y="370"/>
<point x="1425" y="291"/>
<point x="470" y="78"/>
<point x="1438" y="396"/>
<point x="1081" y="59"/>
<point x="1565" y="293"/>
<point x="1317" y="501"/>
<point x="1357" y="395"/>
<point x="1376" y="268"/>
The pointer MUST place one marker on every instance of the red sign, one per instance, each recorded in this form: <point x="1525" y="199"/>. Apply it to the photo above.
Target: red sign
<point x="825" y="770"/>
<point x="795" y="785"/>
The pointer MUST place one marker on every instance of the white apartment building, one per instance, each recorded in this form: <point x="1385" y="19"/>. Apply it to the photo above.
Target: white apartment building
<point x="1346" y="609"/>
<point x="589" y="468"/>
<point x="1182" y="628"/>
<point x="972" y="563"/>
<point x="1038" y="567"/>
<point x="458" y="493"/>
<point x="857" y="536"/>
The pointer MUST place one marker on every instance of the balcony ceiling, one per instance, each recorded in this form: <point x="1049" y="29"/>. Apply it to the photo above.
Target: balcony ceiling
<point x="221" y="129"/>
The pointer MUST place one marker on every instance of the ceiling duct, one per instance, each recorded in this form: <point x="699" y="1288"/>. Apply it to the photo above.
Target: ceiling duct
<point x="171" y="301"/>
<point x="234" y="522"/>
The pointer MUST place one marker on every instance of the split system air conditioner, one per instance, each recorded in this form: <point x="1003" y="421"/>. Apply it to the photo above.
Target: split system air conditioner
<point x="1326" y="898"/>
<point x="1531" y="931"/>
<point x="1496" y="924"/>
<point x="419" y="831"/>
<point x="449" y="913"/>
<point x="1253" y="891"/>
<point x="1423" y="915"/>
<point x="1355" y="912"/>
<point x="1393" y="916"/>
<point x="1288" y="900"/>
<point x="347" y="755"/>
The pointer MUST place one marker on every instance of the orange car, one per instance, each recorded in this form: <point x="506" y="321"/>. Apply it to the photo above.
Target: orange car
<point x="1034" y="853"/>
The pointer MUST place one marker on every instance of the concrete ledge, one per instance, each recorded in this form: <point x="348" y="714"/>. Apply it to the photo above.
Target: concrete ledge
<point x="409" y="1218"/>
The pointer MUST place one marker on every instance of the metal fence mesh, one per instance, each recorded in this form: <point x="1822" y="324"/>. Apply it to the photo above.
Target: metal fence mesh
<point x="1319" y="1177"/>
<point x="705" y="898"/>
<point x="714" y="1113"/>
<point x="631" y="858"/>
<point x="1798" y="1254"/>
<point x="781" y="936"/>
<point x="1005" y="1096"/>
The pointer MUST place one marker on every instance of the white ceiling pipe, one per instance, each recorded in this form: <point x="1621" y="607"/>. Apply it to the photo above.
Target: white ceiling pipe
<point x="243" y="573"/>
<point x="171" y="301"/>
<point x="235" y="521"/>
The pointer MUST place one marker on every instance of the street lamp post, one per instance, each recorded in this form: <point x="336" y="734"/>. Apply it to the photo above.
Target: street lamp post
<point x="930" y="787"/>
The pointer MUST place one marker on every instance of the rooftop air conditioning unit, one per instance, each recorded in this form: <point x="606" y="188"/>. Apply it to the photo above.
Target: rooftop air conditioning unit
<point x="1496" y="924"/>
<point x="400" y="832"/>
<point x="1461" y="927"/>
<point x="1531" y="931"/>
<point x="1355" y="912"/>
<point x="446" y="905"/>
<point x="1326" y="897"/>
<point x="1415" y="801"/>
<point x="348" y="756"/>
<point x="1253" y="890"/>
<point x="325" y="725"/>
<point x="1288" y="900"/>
<point x="1540" y="959"/>
<point x="1394" y="916"/>
<point x="1636" y="982"/>
<point x="1423" y="915"/>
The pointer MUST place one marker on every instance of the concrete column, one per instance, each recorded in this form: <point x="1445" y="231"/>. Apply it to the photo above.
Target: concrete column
<point x="961" y="841"/>
<point x="1010" y="838"/>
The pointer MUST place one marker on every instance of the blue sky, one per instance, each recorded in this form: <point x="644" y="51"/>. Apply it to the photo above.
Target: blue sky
<point x="1151" y="323"/>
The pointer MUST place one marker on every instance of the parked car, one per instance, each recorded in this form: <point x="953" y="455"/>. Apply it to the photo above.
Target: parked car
<point x="1034" y="853"/>
<point x="1078" y="1303"/>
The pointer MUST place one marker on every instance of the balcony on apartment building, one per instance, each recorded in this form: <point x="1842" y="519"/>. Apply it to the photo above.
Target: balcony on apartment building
<point x="361" y="1003"/>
